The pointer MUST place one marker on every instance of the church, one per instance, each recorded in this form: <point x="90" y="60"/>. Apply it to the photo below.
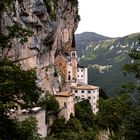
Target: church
<point x="77" y="78"/>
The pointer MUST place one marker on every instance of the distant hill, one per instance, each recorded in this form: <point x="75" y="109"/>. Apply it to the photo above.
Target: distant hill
<point x="105" y="59"/>
<point x="84" y="39"/>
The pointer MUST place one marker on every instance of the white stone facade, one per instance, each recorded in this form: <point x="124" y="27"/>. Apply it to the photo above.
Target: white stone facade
<point x="87" y="92"/>
<point x="82" y="75"/>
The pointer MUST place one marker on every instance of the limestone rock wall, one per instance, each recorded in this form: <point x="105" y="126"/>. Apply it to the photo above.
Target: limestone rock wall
<point x="52" y="35"/>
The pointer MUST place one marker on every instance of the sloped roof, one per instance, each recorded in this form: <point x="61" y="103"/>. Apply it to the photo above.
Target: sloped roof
<point x="85" y="87"/>
<point x="64" y="94"/>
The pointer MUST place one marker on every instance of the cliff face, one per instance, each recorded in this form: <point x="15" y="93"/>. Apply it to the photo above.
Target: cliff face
<point x="53" y="23"/>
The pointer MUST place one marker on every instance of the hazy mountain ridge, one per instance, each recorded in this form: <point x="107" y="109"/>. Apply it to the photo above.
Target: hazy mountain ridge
<point x="105" y="59"/>
<point x="84" y="39"/>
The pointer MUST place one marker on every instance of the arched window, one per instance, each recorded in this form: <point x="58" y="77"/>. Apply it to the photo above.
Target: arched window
<point x="73" y="54"/>
<point x="69" y="77"/>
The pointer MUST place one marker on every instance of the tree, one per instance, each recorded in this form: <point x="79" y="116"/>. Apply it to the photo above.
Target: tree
<point x="133" y="68"/>
<point x="70" y="130"/>
<point x="112" y="113"/>
<point x="17" y="88"/>
<point x="120" y="115"/>
<point x="74" y="125"/>
<point x="132" y="122"/>
<point x="28" y="129"/>
<point x="84" y="113"/>
<point x="58" y="127"/>
<point x="132" y="125"/>
<point x="102" y="94"/>
<point x="50" y="104"/>
<point x="8" y="128"/>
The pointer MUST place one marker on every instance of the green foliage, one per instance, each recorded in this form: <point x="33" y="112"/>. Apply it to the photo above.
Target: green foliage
<point x="47" y="3"/>
<point x="135" y="54"/>
<point x="4" y="3"/>
<point x="119" y="114"/>
<point x="8" y="129"/>
<point x="55" y="72"/>
<point x="78" y="136"/>
<point x="102" y="94"/>
<point x="16" y="31"/>
<point x="84" y="113"/>
<point x="4" y="41"/>
<point x="112" y="112"/>
<point x="135" y="66"/>
<point x="74" y="2"/>
<point x="74" y="125"/>
<point x="132" y="122"/>
<point x="50" y="104"/>
<point x="77" y="18"/>
<point x="58" y="127"/>
<point x="107" y="52"/>
<point x="28" y="129"/>
<point x="111" y="115"/>
<point x="75" y="128"/>
<point x="14" y="130"/>
<point x="70" y="130"/>
<point x="53" y="15"/>
<point x="128" y="87"/>
<point x="132" y="125"/>
<point x="52" y="6"/>
<point x="133" y="87"/>
<point x="17" y="86"/>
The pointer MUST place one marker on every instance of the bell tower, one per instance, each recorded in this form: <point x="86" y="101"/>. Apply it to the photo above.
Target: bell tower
<point x="74" y="65"/>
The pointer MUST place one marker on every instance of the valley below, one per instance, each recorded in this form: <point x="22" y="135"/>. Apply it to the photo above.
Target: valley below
<point x="105" y="58"/>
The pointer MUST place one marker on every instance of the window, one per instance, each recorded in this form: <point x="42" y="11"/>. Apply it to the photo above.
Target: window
<point x="76" y="91"/>
<point x="65" y="105"/>
<point x="81" y="70"/>
<point x="82" y="91"/>
<point x="94" y="97"/>
<point x="78" y="70"/>
<point x="89" y="91"/>
<point x="89" y="97"/>
<point x="77" y="75"/>
<point x="73" y="54"/>
<point x="81" y="75"/>
<point x="69" y="77"/>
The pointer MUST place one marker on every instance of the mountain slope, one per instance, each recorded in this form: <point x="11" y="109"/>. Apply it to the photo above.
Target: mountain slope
<point x="84" y="39"/>
<point x="105" y="60"/>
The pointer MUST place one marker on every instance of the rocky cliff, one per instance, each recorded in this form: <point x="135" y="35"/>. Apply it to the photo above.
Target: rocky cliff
<point x="53" y="23"/>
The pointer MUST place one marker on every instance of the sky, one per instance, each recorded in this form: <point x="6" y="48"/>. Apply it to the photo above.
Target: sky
<point x="112" y="18"/>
